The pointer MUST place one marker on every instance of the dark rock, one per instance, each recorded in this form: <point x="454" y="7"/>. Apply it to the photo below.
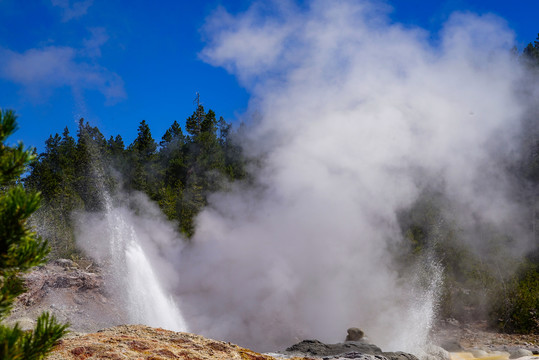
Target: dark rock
<point x="399" y="355"/>
<point x="317" y="348"/>
<point x="354" y="334"/>
<point x="355" y="355"/>
<point x="347" y="350"/>
<point x="312" y="347"/>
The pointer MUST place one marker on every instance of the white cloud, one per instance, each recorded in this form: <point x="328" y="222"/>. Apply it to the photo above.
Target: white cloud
<point x="72" y="9"/>
<point x="41" y="70"/>
<point x="92" y="45"/>
<point x="249" y="42"/>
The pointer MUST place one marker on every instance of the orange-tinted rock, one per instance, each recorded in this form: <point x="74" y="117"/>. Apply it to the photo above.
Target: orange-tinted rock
<point x="146" y="343"/>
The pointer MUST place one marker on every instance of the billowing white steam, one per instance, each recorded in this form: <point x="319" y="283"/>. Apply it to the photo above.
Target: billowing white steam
<point x="355" y="113"/>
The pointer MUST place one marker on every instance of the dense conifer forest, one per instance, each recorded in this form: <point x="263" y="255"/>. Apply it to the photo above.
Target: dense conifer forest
<point x="178" y="172"/>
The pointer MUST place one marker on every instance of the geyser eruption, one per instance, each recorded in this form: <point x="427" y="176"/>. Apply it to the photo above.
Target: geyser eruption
<point x="355" y="117"/>
<point x="127" y="245"/>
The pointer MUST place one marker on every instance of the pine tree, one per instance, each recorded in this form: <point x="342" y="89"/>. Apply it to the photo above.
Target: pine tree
<point x="172" y="155"/>
<point x="531" y="53"/>
<point x="20" y="249"/>
<point x="144" y="173"/>
<point x="55" y="174"/>
<point x="171" y="162"/>
<point x="144" y="144"/>
<point x="91" y="150"/>
<point x="45" y="176"/>
<point x="193" y="122"/>
<point x="116" y="158"/>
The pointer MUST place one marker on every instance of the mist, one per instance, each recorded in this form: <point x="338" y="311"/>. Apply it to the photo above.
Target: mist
<point x="356" y="115"/>
<point x="352" y="117"/>
<point x="129" y="240"/>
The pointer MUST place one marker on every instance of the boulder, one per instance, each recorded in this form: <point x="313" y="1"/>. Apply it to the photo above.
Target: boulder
<point x="354" y="334"/>
<point x="518" y="353"/>
<point x="317" y="348"/>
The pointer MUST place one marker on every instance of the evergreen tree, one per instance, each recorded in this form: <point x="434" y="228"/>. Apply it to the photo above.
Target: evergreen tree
<point x="144" y="173"/>
<point x="91" y="152"/>
<point x="234" y="160"/>
<point x="192" y="202"/>
<point x="531" y="53"/>
<point x="172" y="156"/>
<point x="172" y="164"/>
<point x="194" y="122"/>
<point x="20" y="249"/>
<point x="144" y="145"/>
<point x="67" y="158"/>
<point x="45" y="175"/>
<point x="116" y="146"/>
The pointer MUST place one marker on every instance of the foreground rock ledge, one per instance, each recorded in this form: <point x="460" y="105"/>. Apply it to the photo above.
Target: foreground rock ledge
<point x="146" y="343"/>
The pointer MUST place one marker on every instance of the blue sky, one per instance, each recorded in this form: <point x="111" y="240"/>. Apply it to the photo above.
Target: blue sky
<point x="118" y="62"/>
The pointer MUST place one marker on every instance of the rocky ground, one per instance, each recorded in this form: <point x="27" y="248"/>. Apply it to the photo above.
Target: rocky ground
<point x="146" y="343"/>
<point x="455" y="336"/>
<point x="143" y="342"/>
<point x="75" y="292"/>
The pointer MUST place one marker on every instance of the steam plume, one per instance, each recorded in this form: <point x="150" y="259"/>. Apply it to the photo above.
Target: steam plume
<point x="356" y="113"/>
<point x="356" y="116"/>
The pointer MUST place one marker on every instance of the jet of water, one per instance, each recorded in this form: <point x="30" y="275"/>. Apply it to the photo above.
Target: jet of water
<point x="120" y="248"/>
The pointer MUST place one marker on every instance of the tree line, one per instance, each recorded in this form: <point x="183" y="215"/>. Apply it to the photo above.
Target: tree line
<point x="178" y="172"/>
